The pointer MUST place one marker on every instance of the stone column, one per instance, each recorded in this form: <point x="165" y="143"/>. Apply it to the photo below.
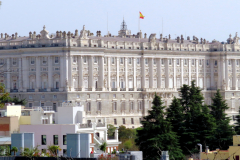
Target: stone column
<point x="109" y="74"/>
<point x="118" y="89"/>
<point x="159" y="73"/>
<point x="226" y="74"/>
<point x="166" y="73"/>
<point x="189" y="72"/>
<point x="134" y="74"/>
<point x="101" y="73"/>
<point x="181" y="72"/>
<point x="174" y="74"/>
<point x="205" y="74"/>
<point x="62" y="71"/>
<point x="212" y="73"/>
<point x="65" y="63"/>
<point x="80" y="73"/>
<point x="90" y="74"/>
<point x="150" y="72"/>
<point x="143" y="84"/>
<point x="20" y="81"/>
<point x="8" y="75"/>
<point x="25" y="74"/>
<point x="234" y="80"/>
<point x="38" y="75"/>
<point x="197" y="73"/>
<point x="70" y="80"/>
<point x="50" y="82"/>
<point x="126" y="74"/>
<point x="220" y="71"/>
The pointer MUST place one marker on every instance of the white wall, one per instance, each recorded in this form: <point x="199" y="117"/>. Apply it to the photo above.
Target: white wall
<point x="49" y="130"/>
<point x="69" y="115"/>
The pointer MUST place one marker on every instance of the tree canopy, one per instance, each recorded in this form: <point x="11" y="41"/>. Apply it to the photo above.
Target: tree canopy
<point x="156" y="135"/>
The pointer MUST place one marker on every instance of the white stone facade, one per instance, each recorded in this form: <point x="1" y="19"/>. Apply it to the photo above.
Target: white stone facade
<point x="116" y="76"/>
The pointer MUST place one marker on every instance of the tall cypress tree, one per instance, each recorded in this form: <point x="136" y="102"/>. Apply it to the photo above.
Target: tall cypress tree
<point x="198" y="124"/>
<point x="237" y="127"/>
<point x="223" y="135"/>
<point x="156" y="135"/>
<point x="175" y="115"/>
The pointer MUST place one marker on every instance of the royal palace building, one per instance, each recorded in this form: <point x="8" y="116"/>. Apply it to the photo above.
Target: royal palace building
<point x="116" y="77"/>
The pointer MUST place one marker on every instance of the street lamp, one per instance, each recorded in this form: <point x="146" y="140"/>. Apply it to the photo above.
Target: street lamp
<point x="200" y="145"/>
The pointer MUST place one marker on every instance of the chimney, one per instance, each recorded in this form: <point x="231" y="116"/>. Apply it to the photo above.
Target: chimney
<point x="188" y="38"/>
<point x="60" y="34"/>
<point x="34" y="35"/>
<point x="64" y="34"/>
<point x="1" y="35"/>
<point x="182" y="38"/>
<point x="178" y="39"/>
<point x="201" y="41"/>
<point x="207" y="150"/>
<point x="145" y="35"/>
<point x="30" y="34"/>
<point x="16" y="35"/>
<point x="76" y="33"/>
<point x="169" y="36"/>
<point x="100" y="34"/>
<point x="204" y="41"/>
<point x="97" y="34"/>
<point x="13" y="36"/>
<point x="196" y="40"/>
<point x="5" y="36"/>
<point x="57" y="35"/>
<point x="161" y="38"/>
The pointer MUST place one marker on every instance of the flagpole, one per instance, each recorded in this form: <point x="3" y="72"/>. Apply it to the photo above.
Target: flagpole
<point x="138" y="28"/>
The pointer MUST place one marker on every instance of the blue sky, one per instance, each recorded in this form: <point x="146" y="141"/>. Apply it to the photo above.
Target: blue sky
<point x="210" y="19"/>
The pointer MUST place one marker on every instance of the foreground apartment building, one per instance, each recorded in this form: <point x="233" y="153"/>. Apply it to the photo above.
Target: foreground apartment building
<point x="116" y="76"/>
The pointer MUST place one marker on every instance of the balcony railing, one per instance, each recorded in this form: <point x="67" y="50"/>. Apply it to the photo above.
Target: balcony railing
<point x="114" y="89"/>
<point x="30" y="90"/>
<point x="43" y="90"/>
<point x="122" y="89"/>
<point x="99" y="89"/>
<point x="88" y="89"/>
<point x="139" y="89"/>
<point x="78" y="89"/>
<point x="54" y="89"/>
<point x="131" y="89"/>
<point x="13" y="90"/>
<point x="87" y="125"/>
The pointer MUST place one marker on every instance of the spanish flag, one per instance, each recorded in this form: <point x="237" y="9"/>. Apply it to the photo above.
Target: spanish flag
<point x="141" y="16"/>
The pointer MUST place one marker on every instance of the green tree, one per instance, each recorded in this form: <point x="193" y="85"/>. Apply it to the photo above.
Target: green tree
<point x="128" y="144"/>
<point x="156" y="135"/>
<point x="175" y="115"/>
<point x="111" y="130"/>
<point x="198" y="125"/>
<point x="223" y="135"/>
<point x="126" y="133"/>
<point x="237" y="124"/>
<point x="103" y="147"/>
<point x="3" y="95"/>
<point x="14" y="150"/>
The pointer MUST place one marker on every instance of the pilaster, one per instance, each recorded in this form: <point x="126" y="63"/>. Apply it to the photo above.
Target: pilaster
<point x="38" y="74"/>
<point x="126" y="74"/>
<point x="134" y="74"/>
<point x="189" y="72"/>
<point x="197" y="73"/>
<point x="159" y="73"/>
<point x="109" y="74"/>
<point x="150" y="72"/>
<point x="20" y="81"/>
<point x="174" y="74"/>
<point x="8" y="75"/>
<point x="50" y="73"/>
<point x="118" y="89"/>
<point x="166" y="73"/>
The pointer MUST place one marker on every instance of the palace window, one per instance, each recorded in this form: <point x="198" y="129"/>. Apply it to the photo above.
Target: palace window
<point x="123" y="121"/>
<point x="85" y="59"/>
<point x="132" y="121"/>
<point x="154" y="61"/>
<point x="121" y="60"/>
<point x="130" y="60"/>
<point x="113" y="61"/>
<point x="115" y="121"/>
<point x="138" y="60"/>
<point x="95" y="59"/>
<point x="162" y="61"/>
<point x="74" y="59"/>
<point x="1" y="61"/>
<point x="200" y="62"/>
<point x="229" y="62"/>
<point x="177" y="61"/>
<point x="146" y="61"/>
<point x="14" y="61"/>
<point x="193" y="61"/>
<point x="56" y="60"/>
<point x="88" y="106"/>
<point x="44" y="60"/>
<point x="215" y="63"/>
<point x="32" y="60"/>
<point x="185" y="62"/>
<point x="207" y="62"/>
<point x="170" y="61"/>
<point x="115" y="106"/>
